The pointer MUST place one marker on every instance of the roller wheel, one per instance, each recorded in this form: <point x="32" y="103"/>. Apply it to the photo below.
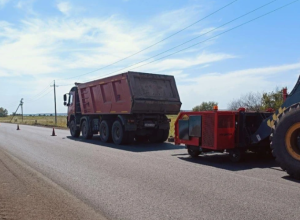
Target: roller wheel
<point x="236" y="155"/>
<point x="74" y="130"/>
<point x="285" y="141"/>
<point x="193" y="151"/>
<point x="105" y="131"/>
<point x="86" y="131"/>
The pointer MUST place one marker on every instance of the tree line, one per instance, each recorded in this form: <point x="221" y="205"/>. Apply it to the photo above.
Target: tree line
<point x="251" y="101"/>
<point x="3" y="112"/>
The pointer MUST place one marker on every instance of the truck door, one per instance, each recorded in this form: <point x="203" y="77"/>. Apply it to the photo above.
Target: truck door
<point x="71" y="104"/>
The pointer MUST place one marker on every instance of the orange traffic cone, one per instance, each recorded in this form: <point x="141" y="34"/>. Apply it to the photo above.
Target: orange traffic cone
<point x="18" y="128"/>
<point x="53" y="132"/>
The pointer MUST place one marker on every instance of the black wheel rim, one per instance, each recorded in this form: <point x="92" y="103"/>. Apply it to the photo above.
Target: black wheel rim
<point x="72" y="128"/>
<point x="84" y="129"/>
<point x="117" y="133"/>
<point x="103" y="131"/>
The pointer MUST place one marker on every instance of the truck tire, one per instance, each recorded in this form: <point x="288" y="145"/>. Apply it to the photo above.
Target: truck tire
<point x="165" y="135"/>
<point x="141" y="139"/>
<point x="193" y="151"/>
<point x="119" y="135"/>
<point x="159" y="136"/>
<point x="105" y="131"/>
<point x="156" y="136"/>
<point x="130" y="137"/>
<point x="74" y="130"/>
<point x="86" y="131"/>
<point x="285" y="141"/>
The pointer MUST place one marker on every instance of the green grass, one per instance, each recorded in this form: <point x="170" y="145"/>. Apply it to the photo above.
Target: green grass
<point x="61" y="121"/>
<point x="172" y="124"/>
<point x="37" y="120"/>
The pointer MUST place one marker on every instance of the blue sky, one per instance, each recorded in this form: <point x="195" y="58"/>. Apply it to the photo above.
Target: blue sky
<point x="42" y="41"/>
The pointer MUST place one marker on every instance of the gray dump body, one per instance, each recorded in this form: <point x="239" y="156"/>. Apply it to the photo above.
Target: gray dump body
<point x="130" y="93"/>
<point x="153" y="93"/>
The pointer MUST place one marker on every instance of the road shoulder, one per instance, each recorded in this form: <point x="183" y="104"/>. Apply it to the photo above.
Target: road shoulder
<point x="27" y="194"/>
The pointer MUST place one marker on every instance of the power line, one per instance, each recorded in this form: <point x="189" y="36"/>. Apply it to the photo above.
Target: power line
<point x="48" y="91"/>
<point x="221" y="33"/>
<point x="38" y="94"/>
<point x="181" y="30"/>
<point x="231" y="29"/>
<point x="252" y="11"/>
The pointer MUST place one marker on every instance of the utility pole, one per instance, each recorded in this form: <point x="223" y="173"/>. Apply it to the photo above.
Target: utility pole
<point x="21" y="104"/>
<point x="54" y="86"/>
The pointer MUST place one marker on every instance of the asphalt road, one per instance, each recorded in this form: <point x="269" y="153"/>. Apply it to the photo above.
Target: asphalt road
<point x="154" y="181"/>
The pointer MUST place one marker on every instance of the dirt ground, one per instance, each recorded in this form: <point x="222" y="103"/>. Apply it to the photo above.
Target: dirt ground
<point x="26" y="194"/>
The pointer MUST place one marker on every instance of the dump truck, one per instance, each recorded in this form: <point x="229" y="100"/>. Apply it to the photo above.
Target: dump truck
<point x="123" y="108"/>
<point x="235" y="132"/>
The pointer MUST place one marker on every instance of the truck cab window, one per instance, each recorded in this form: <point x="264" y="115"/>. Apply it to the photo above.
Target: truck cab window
<point x="70" y="99"/>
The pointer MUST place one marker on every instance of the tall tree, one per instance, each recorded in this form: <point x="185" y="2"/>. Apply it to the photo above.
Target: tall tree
<point x="251" y="101"/>
<point x="272" y="99"/>
<point x="3" y="112"/>
<point x="258" y="101"/>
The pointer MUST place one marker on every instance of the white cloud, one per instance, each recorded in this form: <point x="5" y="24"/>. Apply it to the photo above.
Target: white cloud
<point x="224" y="87"/>
<point x="37" y="45"/>
<point x="61" y="44"/>
<point x="64" y="7"/>
<point x="187" y="62"/>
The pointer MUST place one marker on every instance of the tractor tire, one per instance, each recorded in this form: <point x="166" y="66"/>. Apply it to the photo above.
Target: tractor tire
<point x="86" y="131"/>
<point x="285" y="140"/>
<point x="105" y="131"/>
<point x="193" y="152"/>
<point x="74" y="130"/>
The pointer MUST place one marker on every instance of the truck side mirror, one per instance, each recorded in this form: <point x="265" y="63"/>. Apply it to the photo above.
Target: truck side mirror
<point x="65" y="103"/>
<point x="65" y="97"/>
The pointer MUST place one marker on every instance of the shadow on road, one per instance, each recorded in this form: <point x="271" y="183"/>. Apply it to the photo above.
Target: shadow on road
<point x="135" y="147"/>
<point x="217" y="160"/>
<point x="222" y="161"/>
<point x="289" y="178"/>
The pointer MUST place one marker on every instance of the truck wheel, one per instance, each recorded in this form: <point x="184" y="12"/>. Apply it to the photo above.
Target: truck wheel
<point x="74" y="130"/>
<point x="156" y="136"/>
<point x="193" y="151"/>
<point x="130" y="137"/>
<point x="165" y="135"/>
<point x="286" y="141"/>
<point x="118" y="134"/>
<point x="236" y="155"/>
<point x="105" y="131"/>
<point x="141" y="139"/>
<point x="86" y="131"/>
